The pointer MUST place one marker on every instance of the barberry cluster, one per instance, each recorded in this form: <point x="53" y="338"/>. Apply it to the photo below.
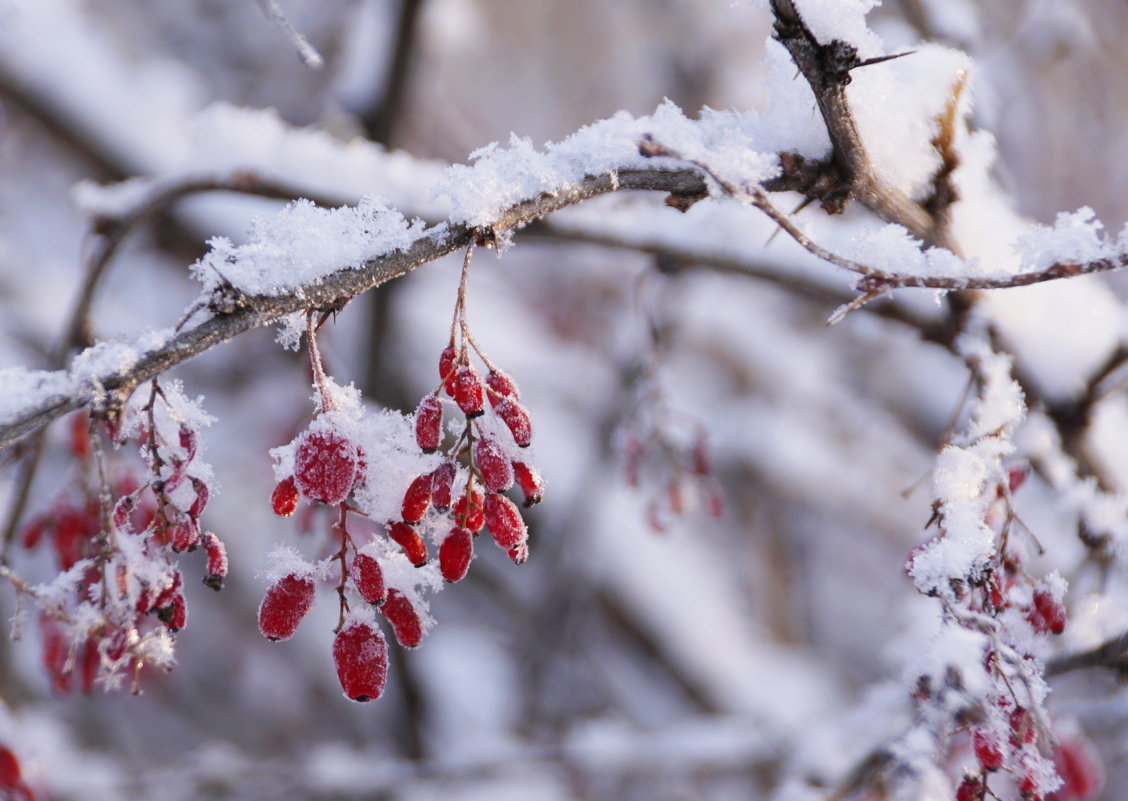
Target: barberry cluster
<point x="120" y="594"/>
<point x="1010" y="734"/>
<point x="460" y="492"/>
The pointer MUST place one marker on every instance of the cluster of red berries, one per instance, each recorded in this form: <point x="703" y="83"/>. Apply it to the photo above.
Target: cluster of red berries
<point x="459" y="497"/>
<point x="1075" y="761"/>
<point x="126" y="551"/>
<point x="688" y="483"/>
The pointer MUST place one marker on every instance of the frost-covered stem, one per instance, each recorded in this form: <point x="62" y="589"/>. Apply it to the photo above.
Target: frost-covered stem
<point x="460" y="304"/>
<point x="315" y="366"/>
<point x="306" y="51"/>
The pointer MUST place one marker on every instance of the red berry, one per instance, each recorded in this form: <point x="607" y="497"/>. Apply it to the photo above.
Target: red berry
<point x="455" y="554"/>
<point x="188" y="442"/>
<point x="447" y="360"/>
<point x="10" y="773"/>
<point x="519" y="554"/>
<point x="412" y="544"/>
<point x="516" y="417"/>
<point x="197" y="507"/>
<point x="56" y="650"/>
<point x="988" y="750"/>
<point x="360" y="653"/>
<point x="504" y="521"/>
<point x="468" y="390"/>
<point x="494" y="466"/>
<point x="1047" y="614"/>
<point x="284" y="499"/>
<point x="417" y="498"/>
<point x="80" y="435"/>
<point x="442" y="480"/>
<point x="469" y="515"/>
<point x="174" y="614"/>
<point x="429" y="424"/>
<point x="325" y="466"/>
<point x="284" y="606"/>
<point x="405" y="621"/>
<point x="1080" y="770"/>
<point x="1028" y="787"/>
<point x="217" y="560"/>
<point x="530" y="481"/>
<point x="368" y="579"/>
<point x="502" y="387"/>
<point x="1022" y="727"/>
<point x="970" y="789"/>
<point x="184" y="535"/>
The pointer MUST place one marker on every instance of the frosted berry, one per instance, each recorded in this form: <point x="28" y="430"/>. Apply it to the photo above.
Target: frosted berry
<point x="455" y="554"/>
<point x="429" y="424"/>
<point x="1023" y="731"/>
<point x="201" y="500"/>
<point x="530" y="481"/>
<point x="217" y="560"/>
<point x="447" y="361"/>
<point x="442" y="480"/>
<point x="405" y="621"/>
<point x="469" y="514"/>
<point x="519" y="554"/>
<point x="325" y="466"/>
<point x="284" y="606"/>
<point x="1028" y="788"/>
<point x="368" y="579"/>
<point x="360" y="653"/>
<point x="501" y="386"/>
<point x="988" y="750"/>
<point x="187" y="439"/>
<point x="412" y="544"/>
<point x="174" y="614"/>
<point x="494" y="466"/>
<point x="970" y="789"/>
<point x="504" y="521"/>
<point x="184" y="535"/>
<point x="469" y="393"/>
<point x="516" y="418"/>
<point x="1047" y="615"/>
<point x="417" y="498"/>
<point x="284" y="499"/>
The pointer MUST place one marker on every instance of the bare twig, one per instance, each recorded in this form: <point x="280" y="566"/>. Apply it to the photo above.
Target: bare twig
<point x="306" y="51"/>
<point x="1111" y="654"/>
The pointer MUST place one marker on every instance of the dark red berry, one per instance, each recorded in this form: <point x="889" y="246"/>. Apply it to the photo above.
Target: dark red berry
<point x="10" y="773"/>
<point x="417" y="498"/>
<point x="174" y="614"/>
<point x="988" y="750"/>
<point x="184" y="535"/>
<point x="201" y="500"/>
<point x="1080" y="769"/>
<point x="970" y="789"/>
<point x="503" y="519"/>
<point x="429" y="424"/>
<point x="412" y="544"/>
<point x="501" y="386"/>
<point x="1047" y="614"/>
<point x="284" y="499"/>
<point x="442" y="480"/>
<point x="325" y="466"/>
<point x="1023" y="731"/>
<point x="188" y="442"/>
<point x="80" y="435"/>
<point x="493" y="465"/>
<point x="1028" y="787"/>
<point x="284" y="606"/>
<point x="447" y="361"/>
<point x="368" y="579"/>
<point x="469" y="515"/>
<point x="455" y="554"/>
<point x="469" y="393"/>
<point x="405" y="621"/>
<point x="516" y="418"/>
<point x="530" y="481"/>
<point x="360" y="653"/>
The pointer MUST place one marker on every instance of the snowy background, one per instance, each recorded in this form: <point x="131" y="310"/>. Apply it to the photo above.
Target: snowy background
<point x="758" y="654"/>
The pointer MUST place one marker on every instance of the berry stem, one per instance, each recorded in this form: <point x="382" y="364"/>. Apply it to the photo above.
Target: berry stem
<point x="319" y="379"/>
<point x="342" y="555"/>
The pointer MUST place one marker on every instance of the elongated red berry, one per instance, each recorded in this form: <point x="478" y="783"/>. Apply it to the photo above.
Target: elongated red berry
<point x="469" y="393"/>
<point x="325" y="466"/>
<point x="442" y="481"/>
<point x="988" y="750"/>
<point x="217" y="560"/>
<point x="184" y="535"/>
<point x="284" y="499"/>
<point x="455" y="554"/>
<point x="368" y="579"/>
<point x="469" y="514"/>
<point x="188" y="441"/>
<point x="412" y="544"/>
<point x="501" y="386"/>
<point x="1023" y="730"/>
<point x="1047" y="614"/>
<point x="493" y="465"/>
<point x="284" y="606"/>
<point x="504" y="521"/>
<point x="516" y="418"/>
<point x="201" y="500"/>
<point x="530" y="481"/>
<point x="417" y="498"/>
<point x="360" y="653"/>
<point x="405" y="621"/>
<point x="429" y="424"/>
<point x="447" y="361"/>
